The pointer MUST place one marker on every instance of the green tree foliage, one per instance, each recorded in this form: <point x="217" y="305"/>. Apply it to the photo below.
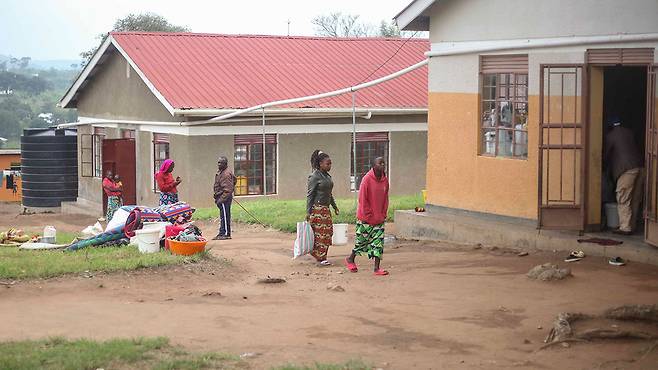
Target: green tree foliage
<point x="28" y="98"/>
<point x="387" y="29"/>
<point x="146" y="22"/>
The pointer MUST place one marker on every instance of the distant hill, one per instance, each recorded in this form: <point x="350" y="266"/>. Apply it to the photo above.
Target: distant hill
<point x="61" y="64"/>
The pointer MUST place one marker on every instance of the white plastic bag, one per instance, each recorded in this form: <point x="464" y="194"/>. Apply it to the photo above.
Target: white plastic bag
<point x="304" y="242"/>
<point x="91" y="231"/>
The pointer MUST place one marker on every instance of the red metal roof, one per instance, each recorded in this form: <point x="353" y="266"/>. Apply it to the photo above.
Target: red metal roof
<point x="237" y="71"/>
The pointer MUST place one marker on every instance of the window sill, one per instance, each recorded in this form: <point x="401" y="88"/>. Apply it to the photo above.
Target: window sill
<point x="501" y="157"/>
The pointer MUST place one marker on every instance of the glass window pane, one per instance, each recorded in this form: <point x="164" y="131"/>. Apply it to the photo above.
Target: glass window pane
<point x="504" y="138"/>
<point x="489" y="142"/>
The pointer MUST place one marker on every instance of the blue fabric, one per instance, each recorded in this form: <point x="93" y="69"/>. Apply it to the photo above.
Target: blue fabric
<point x="225" y="217"/>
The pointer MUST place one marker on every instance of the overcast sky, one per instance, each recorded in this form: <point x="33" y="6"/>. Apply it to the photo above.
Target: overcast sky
<point x="61" y="29"/>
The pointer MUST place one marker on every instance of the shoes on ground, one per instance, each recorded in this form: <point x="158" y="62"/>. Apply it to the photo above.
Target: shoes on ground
<point x="622" y="232"/>
<point x="617" y="261"/>
<point x="221" y="237"/>
<point x="575" y="256"/>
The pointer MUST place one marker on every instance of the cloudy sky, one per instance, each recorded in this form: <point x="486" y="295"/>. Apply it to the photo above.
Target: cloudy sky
<point x="61" y="29"/>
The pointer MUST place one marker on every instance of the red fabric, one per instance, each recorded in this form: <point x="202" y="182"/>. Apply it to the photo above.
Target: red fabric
<point x="373" y="199"/>
<point x="166" y="182"/>
<point x="109" y="184"/>
<point x="238" y="71"/>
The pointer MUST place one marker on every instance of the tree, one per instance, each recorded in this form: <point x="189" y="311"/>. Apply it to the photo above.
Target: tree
<point x="24" y="62"/>
<point x="340" y="25"/>
<point x="146" y="22"/>
<point x="388" y="29"/>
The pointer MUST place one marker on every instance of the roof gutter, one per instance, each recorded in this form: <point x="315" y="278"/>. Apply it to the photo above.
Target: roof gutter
<point x="457" y="48"/>
<point x="102" y="121"/>
<point x="310" y="97"/>
<point x="299" y="111"/>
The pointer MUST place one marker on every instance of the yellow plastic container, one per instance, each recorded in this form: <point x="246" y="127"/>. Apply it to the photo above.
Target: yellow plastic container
<point x="424" y="192"/>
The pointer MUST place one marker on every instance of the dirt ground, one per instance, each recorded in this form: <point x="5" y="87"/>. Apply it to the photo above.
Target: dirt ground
<point x="443" y="306"/>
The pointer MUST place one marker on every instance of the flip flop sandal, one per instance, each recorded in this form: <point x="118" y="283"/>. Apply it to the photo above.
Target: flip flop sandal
<point x="351" y="266"/>
<point x="579" y="254"/>
<point x="381" y="272"/>
<point x="325" y="263"/>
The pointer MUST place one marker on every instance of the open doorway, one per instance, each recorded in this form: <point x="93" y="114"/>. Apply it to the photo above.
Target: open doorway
<point x="624" y="98"/>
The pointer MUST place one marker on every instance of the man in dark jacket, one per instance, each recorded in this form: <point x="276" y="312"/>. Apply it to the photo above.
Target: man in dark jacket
<point x="625" y="164"/>
<point x="223" y="191"/>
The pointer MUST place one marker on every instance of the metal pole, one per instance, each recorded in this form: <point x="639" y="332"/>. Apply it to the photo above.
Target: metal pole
<point x="264" y="158"/>
<point x="356" y="189"/>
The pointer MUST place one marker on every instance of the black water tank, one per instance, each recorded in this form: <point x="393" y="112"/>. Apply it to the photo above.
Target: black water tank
<point x="49" y="166"/>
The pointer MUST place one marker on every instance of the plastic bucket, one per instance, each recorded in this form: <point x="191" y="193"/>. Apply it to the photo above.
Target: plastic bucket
<point x="340" y="234"/>
<point x="611" y="215"/>
<point x="148" y="240"/>
<point x="161" y="226"/>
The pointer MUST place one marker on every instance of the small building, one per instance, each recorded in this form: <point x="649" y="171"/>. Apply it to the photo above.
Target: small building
<point x="10" y="171"/>
<point x="146" y="97"/>
<point x="518" y="95"/>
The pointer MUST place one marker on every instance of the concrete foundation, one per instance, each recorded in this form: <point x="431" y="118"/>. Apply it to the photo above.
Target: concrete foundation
<point x="465" y="227"/>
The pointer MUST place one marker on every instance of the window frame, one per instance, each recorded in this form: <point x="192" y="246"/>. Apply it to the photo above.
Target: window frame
<point x="97" y="139"/>
<point x="159" y="140"/>
<point x="367" y="138"/>
<point x="244" y="145"/>
<point x="511" y="76"/>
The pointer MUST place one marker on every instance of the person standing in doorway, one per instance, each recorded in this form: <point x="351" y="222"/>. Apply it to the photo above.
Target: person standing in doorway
<point x="166" y="184"/>
<point x="625" y="163"/>
<point x="114" y="195"/>
<point x="371" y="214"/>
<point x="223" y="190"/>
<point x="318" y="199"/>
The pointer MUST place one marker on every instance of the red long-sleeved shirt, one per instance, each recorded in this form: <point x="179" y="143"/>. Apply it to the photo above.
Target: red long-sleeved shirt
<point x="373" y="199"/>
<point x="166" y="182"/>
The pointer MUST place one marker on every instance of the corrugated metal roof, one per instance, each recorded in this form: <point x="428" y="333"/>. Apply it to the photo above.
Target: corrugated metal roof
<point x="196" y="71"/>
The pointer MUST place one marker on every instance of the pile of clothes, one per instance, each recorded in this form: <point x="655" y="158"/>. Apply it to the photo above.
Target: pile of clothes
<point x="177" y="214"/>
<point x="190" y="234"/>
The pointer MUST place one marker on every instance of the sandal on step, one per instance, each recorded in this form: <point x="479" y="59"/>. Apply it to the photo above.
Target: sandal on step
<point x="381" y="272"/>
<point x="351" y="266"/>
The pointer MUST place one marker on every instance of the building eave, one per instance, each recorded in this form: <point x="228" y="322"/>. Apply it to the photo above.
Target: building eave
<point x="411" y="18"/>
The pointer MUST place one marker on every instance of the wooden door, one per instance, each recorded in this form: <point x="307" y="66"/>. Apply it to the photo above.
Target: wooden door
<point x="119" y="157"/>
<point x="651" y="153"/>
<point x="562" y="146"/>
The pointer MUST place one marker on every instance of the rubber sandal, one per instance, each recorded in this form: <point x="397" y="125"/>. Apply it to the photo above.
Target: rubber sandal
<point x="351" y="266"/>
<point x="325" y="263"/>
<point x="381" y="272"/>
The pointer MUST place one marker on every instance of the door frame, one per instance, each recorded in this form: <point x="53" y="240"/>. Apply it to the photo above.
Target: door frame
<point x="651" y="159"/>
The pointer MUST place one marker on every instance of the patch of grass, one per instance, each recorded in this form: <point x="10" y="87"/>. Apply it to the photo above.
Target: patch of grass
<point x="284" y="214"/>
<point x="18" y="264"/>
<point x="153" y="353"/>
<point x="350" y="365"/>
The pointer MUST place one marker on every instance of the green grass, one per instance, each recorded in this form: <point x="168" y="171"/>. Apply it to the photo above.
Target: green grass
<point x="284" y="214"/>
<point x="18" y="264"/>
<point x="142" y="353"/>
<point x="350" y="365"/>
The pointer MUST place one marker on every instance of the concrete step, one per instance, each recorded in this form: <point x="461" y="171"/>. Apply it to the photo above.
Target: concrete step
<point x="471" y="228"/>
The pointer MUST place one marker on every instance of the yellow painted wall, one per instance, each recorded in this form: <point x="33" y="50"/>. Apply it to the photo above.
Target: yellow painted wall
<point x="457" y="177"/>
<point x="7" y="195"/>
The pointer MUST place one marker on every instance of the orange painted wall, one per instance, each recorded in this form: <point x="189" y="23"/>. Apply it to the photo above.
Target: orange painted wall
<point x="457" y="177"/>
<point x="6" y="195"/>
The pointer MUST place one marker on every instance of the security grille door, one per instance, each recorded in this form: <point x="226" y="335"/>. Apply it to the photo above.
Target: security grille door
<point x="651" y="198"/>
<point x="562" y="130"/>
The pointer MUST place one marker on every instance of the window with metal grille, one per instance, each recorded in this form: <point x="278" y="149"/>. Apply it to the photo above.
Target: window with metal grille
<point x="160" y="153"/>
<point x="369" y="145"/>
<point x="504" y="106"/>
<point x="97" y="152"/>
<point x="248" y="164"/>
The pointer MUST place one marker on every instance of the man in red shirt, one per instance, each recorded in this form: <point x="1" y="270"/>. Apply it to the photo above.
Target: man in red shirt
<point x="371" y="215"/>
<point x="113" y="193"/>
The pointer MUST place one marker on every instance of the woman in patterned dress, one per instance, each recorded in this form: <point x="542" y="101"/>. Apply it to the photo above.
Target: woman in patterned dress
<point x="318" y="199"/>
<point x="371" y="215"/>
<point x="166" y="183"/>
